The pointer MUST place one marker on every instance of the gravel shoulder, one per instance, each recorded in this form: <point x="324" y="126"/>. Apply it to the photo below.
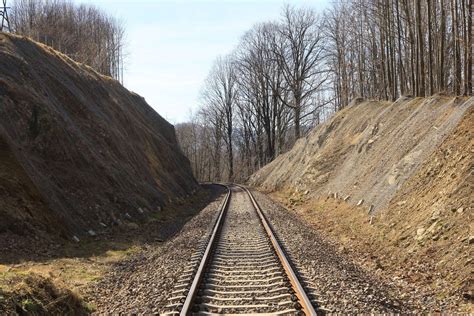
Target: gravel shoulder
<point x="343" y="286"/>
<point x="142" y="283"/>
<point x="121" y="269"/>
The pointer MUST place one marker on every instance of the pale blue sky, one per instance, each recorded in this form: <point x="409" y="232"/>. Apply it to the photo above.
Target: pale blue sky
<point x="171" y="45"/>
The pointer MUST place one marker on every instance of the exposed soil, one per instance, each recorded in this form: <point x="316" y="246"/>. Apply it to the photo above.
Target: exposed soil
<point x="142" y="283"/>
<point x="26" y="226"/>
<point x="85" y="152"/>
<point x="342" y="285"/>
<point x="80" y="270"/>
<point x="422" y="239"/>
<point x="366" y="151"/>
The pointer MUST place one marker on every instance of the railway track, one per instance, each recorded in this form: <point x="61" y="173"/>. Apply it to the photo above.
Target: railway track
<point x="240" y="268"/>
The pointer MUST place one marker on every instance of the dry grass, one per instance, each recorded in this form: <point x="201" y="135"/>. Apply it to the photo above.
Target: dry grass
<point x="77" y="266"/>
<point x="391" y="248"/>
<point x="414" y="164"/>
<point x="33" y="294"/>
<point x="55" y="286"/>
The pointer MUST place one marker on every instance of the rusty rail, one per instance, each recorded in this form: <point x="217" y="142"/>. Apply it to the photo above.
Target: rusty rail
<point x="205" y="259"/>
<point x="300" y="292"/>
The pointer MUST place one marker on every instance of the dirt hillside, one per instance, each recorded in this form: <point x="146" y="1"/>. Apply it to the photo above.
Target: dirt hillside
<point x="78" y="151"/>
<point x="366" y="151"/>
<point x="392" y="183"/>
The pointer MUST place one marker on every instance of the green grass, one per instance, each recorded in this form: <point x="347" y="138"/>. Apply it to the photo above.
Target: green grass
<point x="29" y="305"/>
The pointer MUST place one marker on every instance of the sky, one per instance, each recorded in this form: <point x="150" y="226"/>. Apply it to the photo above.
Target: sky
<point x="171" y="45"/>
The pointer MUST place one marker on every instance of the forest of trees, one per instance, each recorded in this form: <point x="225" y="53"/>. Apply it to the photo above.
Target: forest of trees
<point x="287" y="76"/>
<point x="82" y="32"/>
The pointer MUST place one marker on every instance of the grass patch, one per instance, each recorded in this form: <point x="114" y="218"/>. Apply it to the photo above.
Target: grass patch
<point x="36" y="295"/>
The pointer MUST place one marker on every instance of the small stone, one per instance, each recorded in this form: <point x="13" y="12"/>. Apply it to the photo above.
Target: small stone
<point x="371" y="208"/>
<point x="378" y="264"/>
<point x="75" y="238"/>
<point x="133" y="225"/>
<point x="347" y="198"/>
<point x="435" y="216"/>
<point x="467" y="296"/>
<point x="470" y="240"/>
<point x="140" y="210"/>
<point x="420" y="231"/>
<point x="128" y="215"/>
<point x="306" y="192"/>
<point x="360" y="202"/>
<point x="91" y="232"/>
<point x="460" y="210"/>
<point x="335" y="195"/>
<point x="401" y="203"/>
<point x="102" y="224"/>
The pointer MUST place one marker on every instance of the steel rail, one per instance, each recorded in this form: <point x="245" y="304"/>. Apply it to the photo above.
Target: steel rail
<point x="305" y="302"/>
<point x="205" y="259"/>
<point x="300" y="293"/>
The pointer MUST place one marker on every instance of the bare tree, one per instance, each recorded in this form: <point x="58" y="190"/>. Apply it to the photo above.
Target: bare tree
<point x="82" y="32"/>
<point x="295" y="72"/>
<point x="299" y="52"/>
<point x="220" y="96"/>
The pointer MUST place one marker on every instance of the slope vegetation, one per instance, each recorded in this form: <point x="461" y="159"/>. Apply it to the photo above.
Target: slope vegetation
<point x="78" y="151"/>
<point x="392" y="183"/>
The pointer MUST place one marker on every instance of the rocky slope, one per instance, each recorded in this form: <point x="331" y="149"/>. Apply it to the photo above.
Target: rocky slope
<point x="367" y="151"/>
<point x="78" y="151"/>
<point x="392" y="183"/>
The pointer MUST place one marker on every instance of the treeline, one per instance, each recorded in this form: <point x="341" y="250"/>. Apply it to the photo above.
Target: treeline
<point x="83" y="32"/>
<point x="286" y="76"/>
<point x="260" y="98"/>
<point x="384" y="49"/>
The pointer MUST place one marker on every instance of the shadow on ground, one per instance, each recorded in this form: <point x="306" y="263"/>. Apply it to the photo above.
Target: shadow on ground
<point x="158" y="227"/>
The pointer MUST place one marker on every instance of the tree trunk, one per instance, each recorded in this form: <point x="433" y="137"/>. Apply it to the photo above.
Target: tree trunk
<point x="457" y="61"/>
<point x="297" y="119"/>
<point x="442" y="39"/>
<point x="421" y="61"/>
<point x="430" y="48"/>
<point x="469" y="56"/>
<point x="230" y="158"/>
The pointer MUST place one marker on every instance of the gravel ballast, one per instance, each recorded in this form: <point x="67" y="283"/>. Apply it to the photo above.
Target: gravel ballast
<point x="342" y="286"/>
<point x="141" y="284"/>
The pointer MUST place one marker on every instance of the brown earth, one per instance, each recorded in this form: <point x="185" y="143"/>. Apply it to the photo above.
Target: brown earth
<point x="89" y="175"/>
<point x="411" y="162"/>
<point x="78" y="151"/>
<point x="80" y="278"/>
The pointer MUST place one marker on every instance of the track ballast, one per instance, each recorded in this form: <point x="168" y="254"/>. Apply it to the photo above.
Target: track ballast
<point x="242" y="268"/>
